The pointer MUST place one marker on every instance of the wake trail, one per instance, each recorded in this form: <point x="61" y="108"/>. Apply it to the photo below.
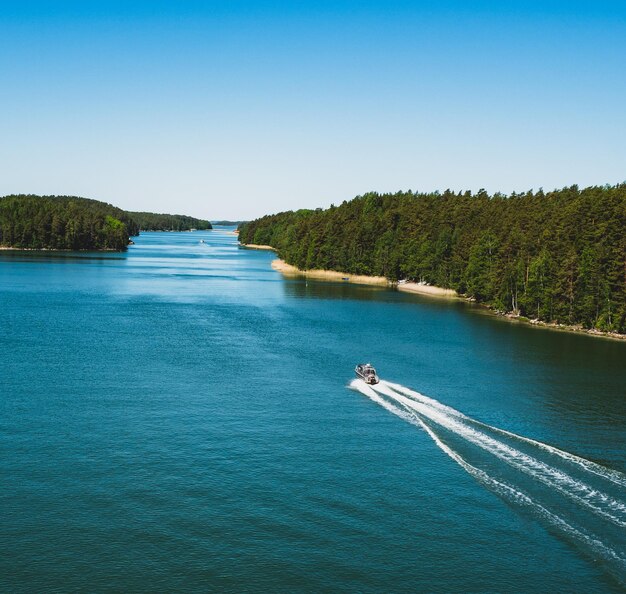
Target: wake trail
<point x="614" y="476"/>
<point x="596" y="501"/>
<point x="553" y="475"/>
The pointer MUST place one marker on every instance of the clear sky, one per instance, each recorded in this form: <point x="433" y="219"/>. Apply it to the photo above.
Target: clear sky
<point x="234" y="109"/>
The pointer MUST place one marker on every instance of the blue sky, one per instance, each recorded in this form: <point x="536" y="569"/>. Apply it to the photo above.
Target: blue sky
<point x="235" y="109"/>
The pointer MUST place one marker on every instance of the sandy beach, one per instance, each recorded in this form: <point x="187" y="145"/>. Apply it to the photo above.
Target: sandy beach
<point x="16" y="249"/>
<point x="423" y="289"/>
<point x="330" y="275"/>
<point x="256" y="246"/>
<point x="360" y="279"/>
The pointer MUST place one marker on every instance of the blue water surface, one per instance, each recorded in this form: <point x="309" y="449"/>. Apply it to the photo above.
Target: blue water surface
<point x="179" y="418"/>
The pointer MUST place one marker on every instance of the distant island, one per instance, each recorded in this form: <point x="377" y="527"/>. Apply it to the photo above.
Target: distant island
<point x="554" y="257"/>
<point x="72" y="223"/>
<point x="229" y="223"/>
<point x="150" y="221"/>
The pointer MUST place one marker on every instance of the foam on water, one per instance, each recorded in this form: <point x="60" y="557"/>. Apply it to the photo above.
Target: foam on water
<point x="614" y="476"/>
<point x="574" y="496"/>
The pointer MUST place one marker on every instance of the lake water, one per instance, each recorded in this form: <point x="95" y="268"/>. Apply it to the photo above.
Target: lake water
<point x="181" y="417"/>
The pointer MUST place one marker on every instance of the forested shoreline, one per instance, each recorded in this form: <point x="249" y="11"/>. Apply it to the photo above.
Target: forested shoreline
<point x="556" y="256"/>
<point x="229" y="223"/>
<point x="35" y="222"/>
<point x="63" y="223"/>
<point x="151" y="221"/>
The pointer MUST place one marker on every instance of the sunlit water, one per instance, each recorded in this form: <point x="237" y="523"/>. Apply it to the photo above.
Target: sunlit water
<point x="180" y="417"/>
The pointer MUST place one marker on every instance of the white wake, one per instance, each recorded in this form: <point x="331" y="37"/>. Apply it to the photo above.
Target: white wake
<point x="575" y="497"/>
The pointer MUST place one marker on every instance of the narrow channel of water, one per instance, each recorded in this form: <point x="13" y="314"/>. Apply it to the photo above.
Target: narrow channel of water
<point x="177" y="418"/>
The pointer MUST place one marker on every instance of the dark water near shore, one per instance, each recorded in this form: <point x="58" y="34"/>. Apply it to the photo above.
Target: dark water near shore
<point x="180" y="417"/>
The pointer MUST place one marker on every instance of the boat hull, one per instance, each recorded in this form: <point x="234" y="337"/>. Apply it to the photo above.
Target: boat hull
<point x="367" y="373"/>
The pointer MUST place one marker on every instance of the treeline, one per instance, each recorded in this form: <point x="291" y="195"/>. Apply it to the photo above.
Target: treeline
<point x="150" y="221"/>
<point x="229" y="223"/>
<point x="63" y="223"/>
<point x="558" y="256"/>
<point x="72" y="223"/>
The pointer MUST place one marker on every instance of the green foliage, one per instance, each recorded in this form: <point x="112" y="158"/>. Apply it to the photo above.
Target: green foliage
<point x="71" y="223"/>
<point x="112" y="223"/>
<point x="151" y="221"/>
<point x="63" y="223"/>
<point x="558" y="256"/>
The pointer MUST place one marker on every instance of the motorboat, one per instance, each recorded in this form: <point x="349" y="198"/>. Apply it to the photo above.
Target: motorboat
<point x="367" y="373"/>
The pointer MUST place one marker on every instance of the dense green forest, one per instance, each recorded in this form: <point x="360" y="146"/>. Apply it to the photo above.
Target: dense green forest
<point x="150" y="221"/>
<point x="72" y="223"/>
<point x="63" y="223"/>
<point x="557" y="256"/>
